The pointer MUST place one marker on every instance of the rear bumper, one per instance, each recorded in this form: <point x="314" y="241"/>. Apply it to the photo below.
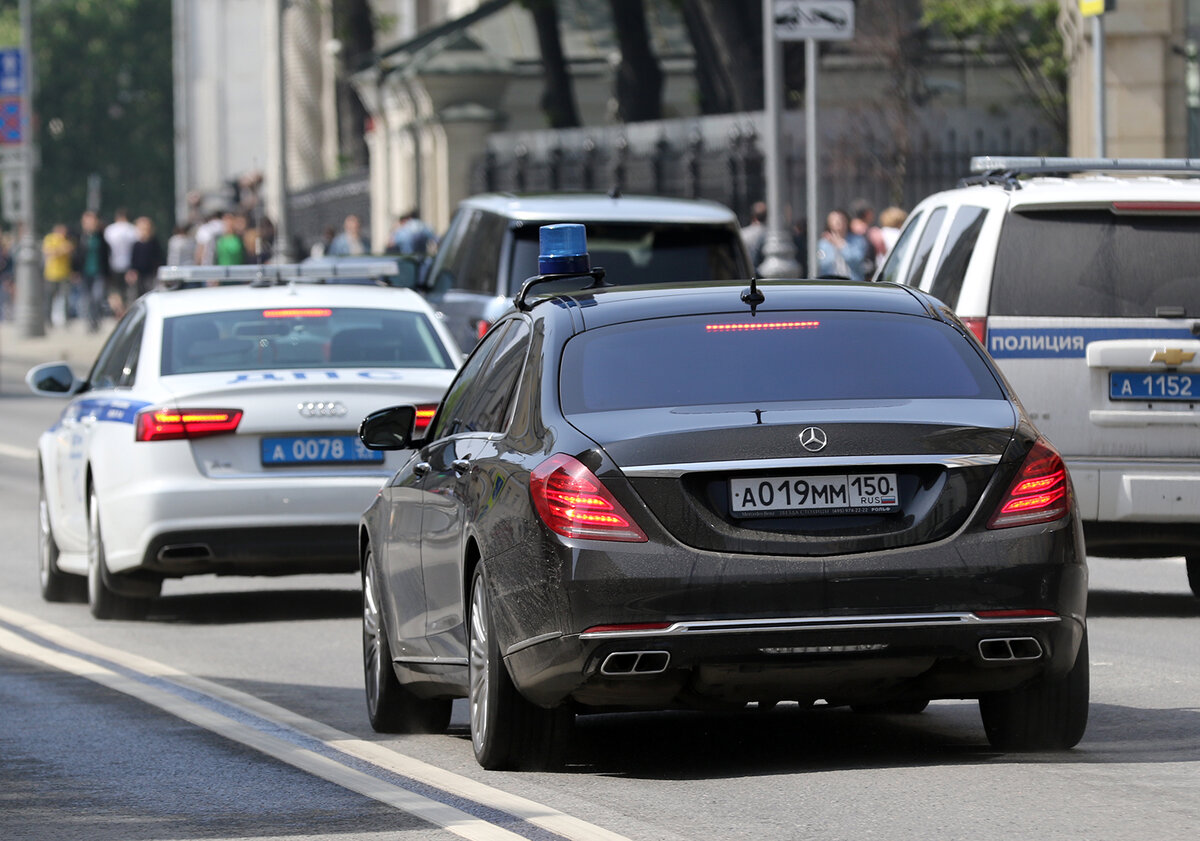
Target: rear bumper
<point x="1139" y="508"/>
<point x="872" y="626"/>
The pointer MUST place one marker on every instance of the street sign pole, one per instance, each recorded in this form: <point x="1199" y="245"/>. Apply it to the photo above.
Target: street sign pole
<point x="779" y="251"/>
<point x="30" y="307"/>
<point x="809" y="21"/>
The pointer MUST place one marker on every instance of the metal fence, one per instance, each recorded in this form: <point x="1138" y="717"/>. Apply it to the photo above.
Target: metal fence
<point x="721" y="158"/>
<point x="317" y="210"/>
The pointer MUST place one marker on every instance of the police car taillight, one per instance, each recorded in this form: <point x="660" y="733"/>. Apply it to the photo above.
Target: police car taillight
<point x="978" y="326"/>
<point x="481" y="328"/>
<point x="424" y="417"/>
<point x="1041" y="493"/>
<point x="170" y="424"/>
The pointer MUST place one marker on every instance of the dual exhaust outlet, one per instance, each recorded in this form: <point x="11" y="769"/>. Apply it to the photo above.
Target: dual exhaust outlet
<point x="1010" y="648"/>
<point x="622" y="663"/>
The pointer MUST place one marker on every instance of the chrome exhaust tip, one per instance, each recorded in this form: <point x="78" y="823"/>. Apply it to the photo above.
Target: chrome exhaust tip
<point x="621" y="663"/>
<point x="1010" y="648"/>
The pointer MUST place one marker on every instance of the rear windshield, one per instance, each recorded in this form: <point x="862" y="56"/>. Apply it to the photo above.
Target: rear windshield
<point x="638" y="254"/>
<point x="300" y="337"/>
<point x="1095" y="263"/>
<point x="777" y="357"/>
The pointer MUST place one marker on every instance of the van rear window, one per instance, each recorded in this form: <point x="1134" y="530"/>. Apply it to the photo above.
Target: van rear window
<point x="1094" y="263"/>
<point x="775" y="358"/>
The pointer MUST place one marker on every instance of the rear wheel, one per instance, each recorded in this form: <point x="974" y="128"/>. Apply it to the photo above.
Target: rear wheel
<point x="507" y="731"/>
<point x="56" y="585"/>
<point x="390" y="706"/>
<point x="105" y="603"/>
<point x="1048" y="714"/>
<point x="1193" y="572"/>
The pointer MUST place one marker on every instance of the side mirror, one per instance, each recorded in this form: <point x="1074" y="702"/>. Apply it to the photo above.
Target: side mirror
<point x="388" y="429"/>
<point x="53" y="379"/>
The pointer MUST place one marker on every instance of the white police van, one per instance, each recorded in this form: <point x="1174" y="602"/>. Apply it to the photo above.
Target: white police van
<point x="1082" y="279"/>
<point x="216" y="431"/>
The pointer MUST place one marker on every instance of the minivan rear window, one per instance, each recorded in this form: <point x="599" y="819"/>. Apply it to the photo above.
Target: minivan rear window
<point x="634" y="254"/>
<point x="774" y="358"/>
<point x="1094" y="263"/>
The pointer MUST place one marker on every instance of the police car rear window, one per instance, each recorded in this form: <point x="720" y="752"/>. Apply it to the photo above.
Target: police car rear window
<point x="634" y="254"/>
<point x="1094" y="263"/>
<point x="775" y="358"/>
<point x="300" y="338"/>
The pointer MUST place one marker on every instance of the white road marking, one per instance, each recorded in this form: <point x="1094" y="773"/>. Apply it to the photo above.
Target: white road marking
<point x="455" y="820"/>
<point x="17" y="452"/>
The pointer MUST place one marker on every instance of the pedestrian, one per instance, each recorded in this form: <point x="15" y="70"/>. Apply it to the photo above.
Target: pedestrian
<point x="862" y="223"/>
<point x="891" y="219"/>
<point x="754" y="235"/>
<point x="230" y="248"/>
<point x="206" y="238"/>
<point x="120" y="234"/>
<point x="92" y="259"/>
<point x="411" y="235"/>
<point x="145" y="258"/>
<point x="56" y="270"/>
<point x="181" y="246"/>
<point x="349" y="243"/>
<point x="841" y="253"/>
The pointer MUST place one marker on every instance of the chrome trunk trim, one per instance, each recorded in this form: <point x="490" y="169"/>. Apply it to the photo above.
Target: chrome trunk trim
<point x="866" y="461"/>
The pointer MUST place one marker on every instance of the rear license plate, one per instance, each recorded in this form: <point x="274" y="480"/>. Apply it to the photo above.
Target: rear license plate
<point x="317" y="449"/>
<point x="1130" y="385"/>
<point x="865" y="493"/>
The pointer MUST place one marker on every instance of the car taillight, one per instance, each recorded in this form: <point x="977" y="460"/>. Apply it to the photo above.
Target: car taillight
<point x="1041" y="492"/>
<point x="574" y="503"/>
<point x="425" y="413"/>
<point x="978" y="326"/>
<point x="481" y="327"/>
<point x="169" y="424"/>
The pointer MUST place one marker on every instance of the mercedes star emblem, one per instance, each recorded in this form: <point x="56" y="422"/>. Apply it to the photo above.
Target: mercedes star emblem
<point x="813" y="439"/>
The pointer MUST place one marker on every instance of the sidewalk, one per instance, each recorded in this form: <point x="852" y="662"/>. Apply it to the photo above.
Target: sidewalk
<point x="71" y="343"/>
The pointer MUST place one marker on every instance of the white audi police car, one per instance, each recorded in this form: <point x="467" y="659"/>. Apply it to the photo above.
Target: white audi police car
<point x="216" y="431"/>
<point x="1082" y="279"/>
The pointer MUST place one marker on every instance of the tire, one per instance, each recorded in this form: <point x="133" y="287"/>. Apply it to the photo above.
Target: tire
<point x="56" y="585"/>
<point x="906" y="707"/>
<point x="391" y="707"/>
<point x="104" y="602"/>
<point x="507" y="731"/>
<point x="1048" y="714"/>
<point x="1193" y="573"/>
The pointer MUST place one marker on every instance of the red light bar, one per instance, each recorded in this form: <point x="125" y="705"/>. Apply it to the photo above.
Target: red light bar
<point x="761" y="325"/>
<point x="631" y="627"/>
<point x="298" y="313"/>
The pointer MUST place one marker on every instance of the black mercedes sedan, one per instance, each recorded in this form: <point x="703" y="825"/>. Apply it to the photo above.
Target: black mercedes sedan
<point x="710" y="496"/>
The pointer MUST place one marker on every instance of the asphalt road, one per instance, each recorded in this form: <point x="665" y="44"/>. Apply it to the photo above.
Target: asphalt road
<point x="236" y="711"/>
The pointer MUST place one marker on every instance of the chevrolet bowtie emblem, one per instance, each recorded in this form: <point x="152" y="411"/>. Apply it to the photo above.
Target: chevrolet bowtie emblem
<point x="1173" y="356"/>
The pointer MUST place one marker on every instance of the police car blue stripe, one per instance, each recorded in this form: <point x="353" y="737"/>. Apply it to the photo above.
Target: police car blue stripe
<point x="110" y="409"/>
<point x="1066" y="342"/>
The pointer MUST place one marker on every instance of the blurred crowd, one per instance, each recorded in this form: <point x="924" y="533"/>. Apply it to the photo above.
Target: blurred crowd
<point x="853" y="245"/>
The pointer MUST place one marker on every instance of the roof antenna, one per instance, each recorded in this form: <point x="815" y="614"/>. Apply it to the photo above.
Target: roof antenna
<point x="753" y="296"/>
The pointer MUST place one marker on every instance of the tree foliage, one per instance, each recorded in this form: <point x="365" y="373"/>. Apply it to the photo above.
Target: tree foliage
<point x="1026" y="32"/>
<point x="103" y="105"/>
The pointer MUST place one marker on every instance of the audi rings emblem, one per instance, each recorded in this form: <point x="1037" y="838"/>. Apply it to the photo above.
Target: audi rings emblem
<point x="813" y="439"/>
<point x="332" y="409"/>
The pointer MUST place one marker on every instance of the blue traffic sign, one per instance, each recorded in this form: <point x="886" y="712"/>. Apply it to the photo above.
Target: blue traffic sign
<point x="12" y="72"/>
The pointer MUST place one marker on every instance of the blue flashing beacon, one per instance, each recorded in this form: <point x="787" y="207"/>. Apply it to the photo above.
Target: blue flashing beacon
<point x="563" y="250"/>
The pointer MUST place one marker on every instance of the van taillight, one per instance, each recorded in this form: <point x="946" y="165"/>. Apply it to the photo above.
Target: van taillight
<point x="481" y="328"/>
<point x="978" y="326"/>
<point x="169" y="424"/>
<point x="574" y="503"/>
<point x="1041" y="492"/>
